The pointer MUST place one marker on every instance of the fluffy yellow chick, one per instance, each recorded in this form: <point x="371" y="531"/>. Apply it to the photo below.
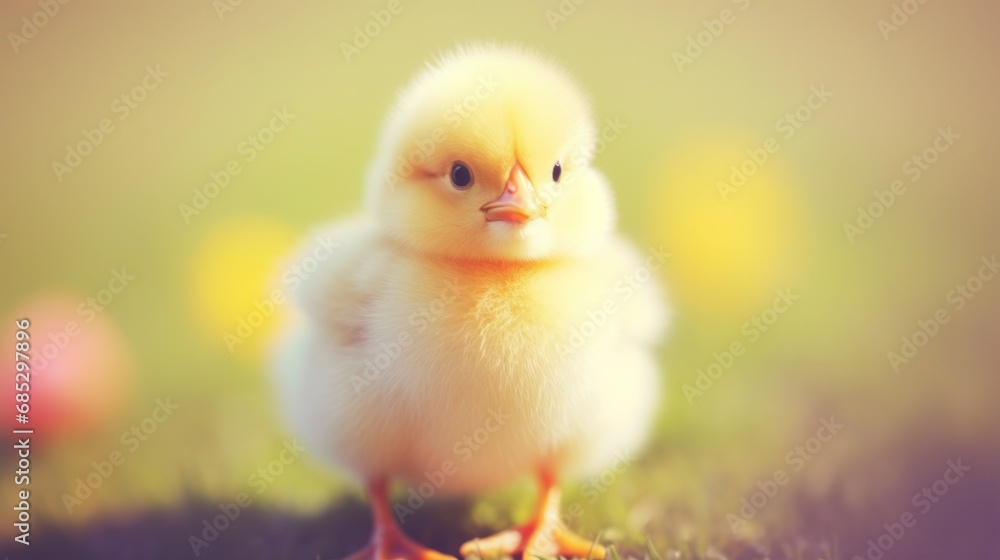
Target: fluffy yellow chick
<point x="482" y="321"/>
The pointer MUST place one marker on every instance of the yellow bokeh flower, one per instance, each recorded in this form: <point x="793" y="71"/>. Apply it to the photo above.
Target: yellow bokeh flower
<point x="233" y="276"/>
<point x="733" y="224"/>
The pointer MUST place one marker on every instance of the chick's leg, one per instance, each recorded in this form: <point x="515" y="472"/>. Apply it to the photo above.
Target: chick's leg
<point x="388" y="541"/>
<point x="544" y="535"/>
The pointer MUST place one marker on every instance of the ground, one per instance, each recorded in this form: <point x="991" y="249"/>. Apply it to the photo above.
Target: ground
<point x="673" y="510"/>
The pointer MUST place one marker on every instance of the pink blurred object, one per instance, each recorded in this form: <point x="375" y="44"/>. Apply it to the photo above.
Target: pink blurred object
<point x="81" y="371"/>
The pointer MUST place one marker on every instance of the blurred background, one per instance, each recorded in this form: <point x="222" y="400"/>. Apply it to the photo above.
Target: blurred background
<point x="822" y="175"/>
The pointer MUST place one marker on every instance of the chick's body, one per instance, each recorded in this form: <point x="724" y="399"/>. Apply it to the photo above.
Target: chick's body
<point x="482" y="319"/>
<point x="415" y="362"/>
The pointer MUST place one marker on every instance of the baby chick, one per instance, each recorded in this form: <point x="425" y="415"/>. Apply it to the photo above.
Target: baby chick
<point x="482" y="320"/>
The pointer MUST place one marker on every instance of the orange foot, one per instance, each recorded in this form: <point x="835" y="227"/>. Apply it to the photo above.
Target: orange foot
<point x="549" y="541"/>
<point x="388" y="542"/>
<point x="541" y="537"/>
<point x="396" y="547"/>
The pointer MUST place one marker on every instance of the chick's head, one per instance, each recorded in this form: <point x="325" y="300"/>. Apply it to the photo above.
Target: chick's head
<point x="487" y="156"/>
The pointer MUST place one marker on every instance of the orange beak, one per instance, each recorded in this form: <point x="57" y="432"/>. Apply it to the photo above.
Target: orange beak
<point x="518" y="203"/>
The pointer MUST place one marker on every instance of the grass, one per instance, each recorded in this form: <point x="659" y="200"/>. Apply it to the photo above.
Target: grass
<point x="671" y="507"/>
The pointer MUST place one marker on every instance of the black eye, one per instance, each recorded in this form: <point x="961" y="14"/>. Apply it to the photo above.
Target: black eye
<point x="461" y="175"/>
<point x="556" y="172"/>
